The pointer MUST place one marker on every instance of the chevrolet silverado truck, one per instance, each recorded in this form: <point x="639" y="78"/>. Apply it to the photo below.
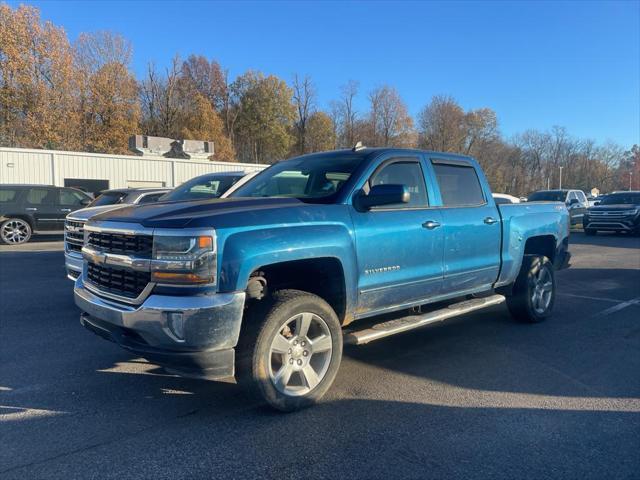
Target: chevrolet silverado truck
<point x="338" y="247"/>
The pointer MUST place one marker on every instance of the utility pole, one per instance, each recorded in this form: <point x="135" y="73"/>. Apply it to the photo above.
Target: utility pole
<point x="630" y="173"/>
<point x="561" y="178"/>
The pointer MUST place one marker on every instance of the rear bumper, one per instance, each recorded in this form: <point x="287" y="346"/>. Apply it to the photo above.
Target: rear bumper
<point x="211" y="327"/>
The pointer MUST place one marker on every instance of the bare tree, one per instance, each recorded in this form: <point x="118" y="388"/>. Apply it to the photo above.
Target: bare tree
<point x="304" y="97"/>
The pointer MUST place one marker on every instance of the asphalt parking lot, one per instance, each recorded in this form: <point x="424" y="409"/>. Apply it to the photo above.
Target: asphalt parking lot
<point x="479" y="396"/>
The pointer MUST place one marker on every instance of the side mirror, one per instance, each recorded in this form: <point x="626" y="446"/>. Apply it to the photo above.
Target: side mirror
<point x="573" y="201"/>
<point x="380" y="195"/>
<point x="596" y="203"/>
<point x="85" y="201"/>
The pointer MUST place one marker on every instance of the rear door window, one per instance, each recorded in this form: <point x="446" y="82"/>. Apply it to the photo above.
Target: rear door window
<point x="459" y="185"/>
<point x="39" y="196"/>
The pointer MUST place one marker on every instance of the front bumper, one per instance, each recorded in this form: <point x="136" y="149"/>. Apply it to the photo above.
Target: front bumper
<point x="73" y="264"/>
<point x="211" y="329"/>
<point x="626" y="224"/>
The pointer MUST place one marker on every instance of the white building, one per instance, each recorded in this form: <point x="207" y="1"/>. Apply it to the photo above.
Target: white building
<point x="94" y="172"/>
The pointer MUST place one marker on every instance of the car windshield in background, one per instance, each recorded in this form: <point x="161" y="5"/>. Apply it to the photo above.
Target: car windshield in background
<point x="547" y="197"/>
<point x="317" y="177"/>
<point x="201" y="188"/>
<point x="108" y="198"/>
<point x="621" y="199"/>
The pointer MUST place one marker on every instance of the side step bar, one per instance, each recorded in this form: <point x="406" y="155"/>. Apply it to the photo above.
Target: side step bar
<point x="399" y="325"/>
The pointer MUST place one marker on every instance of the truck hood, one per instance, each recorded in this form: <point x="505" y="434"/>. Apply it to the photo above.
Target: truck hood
<point x="196" y="213"/>
<point x="614" y="208"/>
<point x="86" y="213"/>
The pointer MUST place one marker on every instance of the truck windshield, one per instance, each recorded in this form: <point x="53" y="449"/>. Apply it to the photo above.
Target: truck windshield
<point x="202" y="188"/>
<point x="311" y="178"/>
<point x="108" y="198"/>
<point x="621" y="199"/>
<point x="547" y="197"/>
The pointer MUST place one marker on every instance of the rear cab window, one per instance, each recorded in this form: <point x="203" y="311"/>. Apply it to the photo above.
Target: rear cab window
<point x="459" y="185"/>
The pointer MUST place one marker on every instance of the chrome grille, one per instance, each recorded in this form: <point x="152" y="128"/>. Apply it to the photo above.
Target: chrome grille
<point x="118" y="281"/>
<point x="73" y="235"/>
<point x="121" y="243"/>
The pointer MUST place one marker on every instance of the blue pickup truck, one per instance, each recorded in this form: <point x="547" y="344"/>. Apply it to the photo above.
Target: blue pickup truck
<point x="338" y="247"/>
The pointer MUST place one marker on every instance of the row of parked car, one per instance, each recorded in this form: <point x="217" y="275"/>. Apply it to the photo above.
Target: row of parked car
<point x="29" y="209"/>
<point x="615" y="212"/>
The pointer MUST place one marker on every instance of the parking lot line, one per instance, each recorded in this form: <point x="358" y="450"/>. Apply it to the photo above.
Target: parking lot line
<point x="618" y="307"/>
<point x="587" y="297"/>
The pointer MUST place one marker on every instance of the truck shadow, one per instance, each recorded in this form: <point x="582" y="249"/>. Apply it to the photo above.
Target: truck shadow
<point x="606" y="239"/>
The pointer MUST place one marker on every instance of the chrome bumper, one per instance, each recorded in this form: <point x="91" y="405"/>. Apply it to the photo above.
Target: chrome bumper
<point x="211" y="329"/>
<point x="73" y="264"/>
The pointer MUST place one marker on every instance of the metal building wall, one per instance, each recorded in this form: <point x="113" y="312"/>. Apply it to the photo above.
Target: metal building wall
<point x="52" y="167"/>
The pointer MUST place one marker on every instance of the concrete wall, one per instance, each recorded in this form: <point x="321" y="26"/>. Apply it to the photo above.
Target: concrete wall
<point x="52" y="167"/>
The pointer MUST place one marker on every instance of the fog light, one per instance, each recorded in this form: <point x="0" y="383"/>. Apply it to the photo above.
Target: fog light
<point x="175" y="320"/>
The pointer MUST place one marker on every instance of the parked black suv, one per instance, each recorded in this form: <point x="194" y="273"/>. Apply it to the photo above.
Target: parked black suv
<point x="617" y="212"/>
<point x="25" y="209"/>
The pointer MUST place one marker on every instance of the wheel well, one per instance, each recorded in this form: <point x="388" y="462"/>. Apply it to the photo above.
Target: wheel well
<point x="542" y="245"/>
<point x="321" y="276"/>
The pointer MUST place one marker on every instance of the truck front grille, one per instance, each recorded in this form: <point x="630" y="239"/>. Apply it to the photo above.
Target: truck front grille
<point x="73" y="235"/>
<point x="120" y="243"/>
<point x="117" y="281"/>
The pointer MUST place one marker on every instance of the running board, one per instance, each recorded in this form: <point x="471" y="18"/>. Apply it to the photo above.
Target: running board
<point x="399" y="325"/>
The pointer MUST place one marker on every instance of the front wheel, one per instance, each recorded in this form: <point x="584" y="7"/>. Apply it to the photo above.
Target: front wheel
<point x="291" y="355"/>
<point x="534" y="291"/>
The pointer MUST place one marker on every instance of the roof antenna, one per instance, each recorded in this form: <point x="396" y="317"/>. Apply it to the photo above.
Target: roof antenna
<point x="358" y="146"/>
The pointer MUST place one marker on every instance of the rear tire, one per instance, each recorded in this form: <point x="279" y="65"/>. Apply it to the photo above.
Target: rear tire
<point x="590" y="231"/>
<point x="15" y="231"/>
<point x="290" y="350"/>
<point x="534" y="292"/>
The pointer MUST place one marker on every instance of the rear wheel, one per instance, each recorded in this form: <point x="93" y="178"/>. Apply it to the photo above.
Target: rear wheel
<point x="534" y="291"/>
<point x="15" y="231"/>
<point x="290" y="351"/>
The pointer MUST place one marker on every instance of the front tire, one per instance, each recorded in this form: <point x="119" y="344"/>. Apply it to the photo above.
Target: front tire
<point x="534" y="291"/>
<point x="290" y="351"/>
<point x="15" y="231"/>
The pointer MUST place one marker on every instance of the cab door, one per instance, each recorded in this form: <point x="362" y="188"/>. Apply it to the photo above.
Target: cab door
<point x="399" y="247"/>
<point x="471" y="227"/>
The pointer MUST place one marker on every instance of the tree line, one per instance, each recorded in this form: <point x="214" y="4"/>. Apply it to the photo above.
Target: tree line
<point x="83" y="96"/>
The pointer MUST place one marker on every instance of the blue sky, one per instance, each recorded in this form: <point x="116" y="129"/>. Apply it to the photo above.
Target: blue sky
<point x="537" y="64"/>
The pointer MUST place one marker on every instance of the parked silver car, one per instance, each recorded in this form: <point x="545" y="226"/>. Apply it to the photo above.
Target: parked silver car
<point x="106" y="201"/>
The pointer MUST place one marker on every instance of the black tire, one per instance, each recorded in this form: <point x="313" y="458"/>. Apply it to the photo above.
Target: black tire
<point x="521" y="302"/>
<point x="9" y="228"/>
<point x="255" y="358"/>
<point x="590" y="231"/>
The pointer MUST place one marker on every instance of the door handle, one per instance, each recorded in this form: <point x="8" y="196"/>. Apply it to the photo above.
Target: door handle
<point x="430" y="225"/>
<point x="490" y="220"/>
<point x="65" y="209"/>
<point x="31" y="209"/>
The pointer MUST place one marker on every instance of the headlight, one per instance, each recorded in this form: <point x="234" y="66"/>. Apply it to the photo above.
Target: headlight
<point x="188" y="260"/>
<point x="632" y="212"/>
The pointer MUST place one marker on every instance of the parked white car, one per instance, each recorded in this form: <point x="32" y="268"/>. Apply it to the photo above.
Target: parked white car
<point x="502" y="198"/>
